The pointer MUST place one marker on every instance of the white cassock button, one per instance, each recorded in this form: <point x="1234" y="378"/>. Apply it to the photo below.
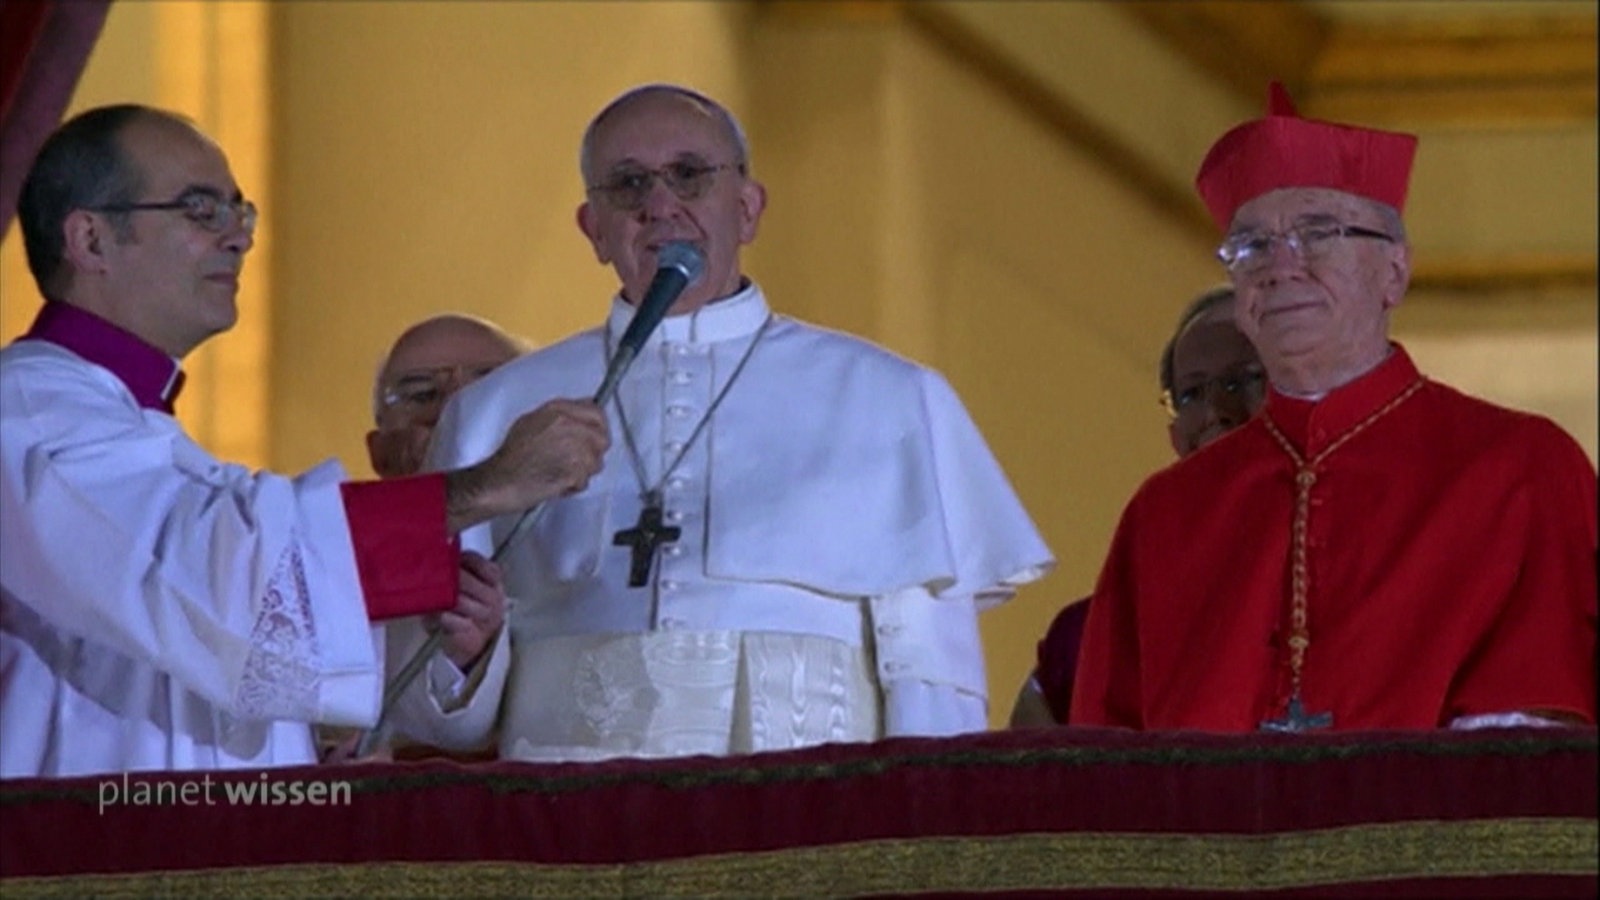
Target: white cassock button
<point x="674" y="446"/>
<point x="677" y="483"/>
<point x="680" y="377"/>
<point x="668" y="584"/>
<point x="677" y="412"/>
<point x="673" y="550"/>
<point x="674" y="516"/>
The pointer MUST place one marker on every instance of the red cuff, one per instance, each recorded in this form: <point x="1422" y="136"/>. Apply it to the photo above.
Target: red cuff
<point x="407" y="561"/>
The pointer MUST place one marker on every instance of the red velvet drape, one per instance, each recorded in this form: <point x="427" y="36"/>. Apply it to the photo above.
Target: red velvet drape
<point x="44" y="45"/>
<point x="21" y="23"/>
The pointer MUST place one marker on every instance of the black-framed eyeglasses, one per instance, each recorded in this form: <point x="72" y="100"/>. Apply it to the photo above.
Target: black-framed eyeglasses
<point x="1244" y="385"/>
<point x="209" y="211"/>
<point x="628" y="188"/>
<point x="1250" y="251"/>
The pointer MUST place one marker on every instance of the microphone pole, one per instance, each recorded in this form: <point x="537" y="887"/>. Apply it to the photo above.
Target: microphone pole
<point x="678" y="265"/>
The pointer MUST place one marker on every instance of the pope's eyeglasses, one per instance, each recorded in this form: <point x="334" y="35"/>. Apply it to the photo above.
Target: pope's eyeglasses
<point x="628" y="188"/>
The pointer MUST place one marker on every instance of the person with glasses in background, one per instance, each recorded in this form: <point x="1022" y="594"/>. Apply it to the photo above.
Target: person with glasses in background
<point x="1211" y="383"/>
<point x="1374" y="549"/>
<point x="428" y="363"/>
<point x="794" y="529"/>
<point x="425" y="367"/>
<point x="159" y="608"/>
<point x="1212" y="380"/>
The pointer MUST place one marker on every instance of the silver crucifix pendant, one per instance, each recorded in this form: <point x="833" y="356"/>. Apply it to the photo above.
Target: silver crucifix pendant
<point x="1295" y="719"/>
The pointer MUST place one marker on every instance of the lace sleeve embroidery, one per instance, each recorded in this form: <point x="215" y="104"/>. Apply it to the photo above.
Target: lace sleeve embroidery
<point x="281" y="676"/>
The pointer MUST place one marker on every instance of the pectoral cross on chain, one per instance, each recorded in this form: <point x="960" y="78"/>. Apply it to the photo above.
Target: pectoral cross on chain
<point x="645" y="538"/>
<point x="1295" y="719"/>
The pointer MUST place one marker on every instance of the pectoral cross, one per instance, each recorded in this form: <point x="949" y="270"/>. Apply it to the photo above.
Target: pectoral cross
<point x="645" y="538"/>
<point x="1295" y="719"/>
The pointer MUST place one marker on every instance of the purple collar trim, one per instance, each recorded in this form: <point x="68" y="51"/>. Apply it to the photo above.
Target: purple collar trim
<point x="153" y="377"/>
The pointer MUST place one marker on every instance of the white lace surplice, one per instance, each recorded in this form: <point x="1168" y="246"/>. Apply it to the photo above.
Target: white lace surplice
<point x="160" y="609"/>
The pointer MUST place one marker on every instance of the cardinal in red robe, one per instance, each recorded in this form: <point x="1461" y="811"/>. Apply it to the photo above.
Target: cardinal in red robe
<point x="1375" y="549"/>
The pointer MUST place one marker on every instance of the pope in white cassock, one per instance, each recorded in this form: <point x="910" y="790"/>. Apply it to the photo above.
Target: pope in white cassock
<point x="791" y="536"/>
<point x="161" y="609"/>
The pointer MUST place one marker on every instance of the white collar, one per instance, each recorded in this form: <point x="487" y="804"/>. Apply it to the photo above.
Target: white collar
<point x="736" y="316"/>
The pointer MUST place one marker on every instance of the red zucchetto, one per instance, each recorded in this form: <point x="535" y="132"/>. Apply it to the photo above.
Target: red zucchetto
<point x="1283" y="150"/>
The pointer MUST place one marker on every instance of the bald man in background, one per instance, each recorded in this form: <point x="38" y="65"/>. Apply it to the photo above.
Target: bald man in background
<point x="428" y="363"/>
<point x="424" y="368"/>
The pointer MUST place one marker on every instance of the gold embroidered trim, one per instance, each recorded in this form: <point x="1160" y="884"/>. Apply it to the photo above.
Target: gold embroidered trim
<point x="1482" y="848"/>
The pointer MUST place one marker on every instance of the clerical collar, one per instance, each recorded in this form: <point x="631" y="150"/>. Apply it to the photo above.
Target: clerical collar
<point x="1318" y="395"/>
<point x="153" y="377"/>
<point x="1310" y="424"/>
<point x="1309" y="398"/>
<point x="737" y="316"/>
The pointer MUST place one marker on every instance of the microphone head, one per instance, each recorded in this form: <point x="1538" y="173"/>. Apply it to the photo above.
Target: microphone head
<point x="678" y="265"/>
<point x="683" y="256"/>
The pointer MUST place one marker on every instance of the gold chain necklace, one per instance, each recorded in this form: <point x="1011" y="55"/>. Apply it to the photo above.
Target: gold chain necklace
<point x="1295" y="717"/>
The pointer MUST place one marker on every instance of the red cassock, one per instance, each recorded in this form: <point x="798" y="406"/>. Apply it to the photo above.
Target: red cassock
<point x="1450" y="548"/>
